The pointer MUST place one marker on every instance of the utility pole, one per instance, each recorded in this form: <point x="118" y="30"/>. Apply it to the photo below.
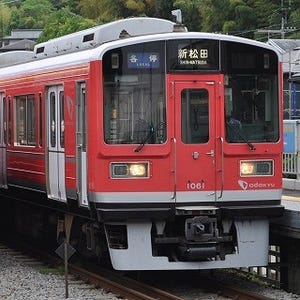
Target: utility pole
<point x="284" y="18"/>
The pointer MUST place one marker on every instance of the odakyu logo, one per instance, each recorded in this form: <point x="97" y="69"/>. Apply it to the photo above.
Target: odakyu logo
<point x="243" y="184"/>
<point x="255" y="185"/>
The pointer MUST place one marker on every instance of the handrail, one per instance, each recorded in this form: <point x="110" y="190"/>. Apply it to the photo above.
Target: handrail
<point x="222" y="166"/>
<point x="175" y="169"/>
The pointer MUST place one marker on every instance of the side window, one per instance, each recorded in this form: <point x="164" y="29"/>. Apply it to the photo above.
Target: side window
<point x="9" y="129"/>
<point x="4" y="138"/>
<point x="194" y="116"/>
<point x="25" y="121"/>
<point x="62" y="119"/>
<point x="81" y="112"/>
<point x="40" y="120"/>
<point x="52" y="121"/>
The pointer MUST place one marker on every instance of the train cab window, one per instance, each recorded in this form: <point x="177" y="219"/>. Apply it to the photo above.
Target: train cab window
<point x="251" y="109"/>
<point x="251" y="93"/>
<point x="25" y="131"/>
<point x="194" y="116"/>
<point x="134" y="94"/>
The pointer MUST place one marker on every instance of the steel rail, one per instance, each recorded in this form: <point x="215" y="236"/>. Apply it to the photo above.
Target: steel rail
<point x="237" y="293"/>
<point x="125" y="287"/>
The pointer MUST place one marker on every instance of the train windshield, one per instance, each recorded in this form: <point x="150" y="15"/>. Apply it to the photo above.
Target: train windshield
<point x="251" y="109"/>
<point x="134" y="94"/>
<point x="251" y="94"/>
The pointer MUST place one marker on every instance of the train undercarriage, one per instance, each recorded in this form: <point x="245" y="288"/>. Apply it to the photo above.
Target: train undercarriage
<point x="203" y="241"/>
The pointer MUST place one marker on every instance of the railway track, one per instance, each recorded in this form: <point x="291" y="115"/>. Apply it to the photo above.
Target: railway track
<point x="132" y="289"/>
<point x="236" y="293"/>
<point x="125" y="287"/>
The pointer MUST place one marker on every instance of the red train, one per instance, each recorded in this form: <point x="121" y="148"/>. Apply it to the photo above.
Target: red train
<point x="161" y="145"/>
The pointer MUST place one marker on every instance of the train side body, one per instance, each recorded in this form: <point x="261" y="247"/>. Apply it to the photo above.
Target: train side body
<point x="170" y="143"/>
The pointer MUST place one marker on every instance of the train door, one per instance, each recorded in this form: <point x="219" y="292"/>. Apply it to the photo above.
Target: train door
<point x="3" y="181"/>
<point x="56" y="143"/>
<point x="81" y="157"/>
<point x="195" y="141"/>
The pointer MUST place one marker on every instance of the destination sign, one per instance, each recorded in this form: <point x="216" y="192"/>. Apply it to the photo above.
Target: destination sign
<point x="190" y="54"/>
<point x="143" y="60"/>
<point x="193" y="56"/>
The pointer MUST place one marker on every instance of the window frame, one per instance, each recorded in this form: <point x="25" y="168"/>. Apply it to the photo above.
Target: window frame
<point x="27" y="119"/>
<point x="194" y="122"/>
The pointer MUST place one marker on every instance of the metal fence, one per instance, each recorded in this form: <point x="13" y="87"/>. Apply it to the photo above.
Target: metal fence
<point x="270" y="273"/>
<point x="290" y="163"/>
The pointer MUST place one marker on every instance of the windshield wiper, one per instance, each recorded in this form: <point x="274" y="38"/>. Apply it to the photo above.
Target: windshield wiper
<point x="146" y="139"/>
<point x="251" y="146"/>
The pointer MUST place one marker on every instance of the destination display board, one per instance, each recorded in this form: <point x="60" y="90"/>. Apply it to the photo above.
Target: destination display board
<point x="193" y="55"/>
<point x="140" y="60"/>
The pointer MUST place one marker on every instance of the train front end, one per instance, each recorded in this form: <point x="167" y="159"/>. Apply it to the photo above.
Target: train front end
<point x="185" y="168"/>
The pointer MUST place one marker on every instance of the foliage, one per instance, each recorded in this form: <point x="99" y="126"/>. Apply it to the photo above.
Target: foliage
<point x="63" y="22"/>
<point x="71" y="4"/>
<point x="191" y="13"/>
<point x="32" y="14"/>
<point x="238" y="17"/>
<point x="294" y="22"/>
<point x="268" y="13"/>
<point x="214" y="13"/>
<point x="103" y="10"/>
<point x="5" y="18"/>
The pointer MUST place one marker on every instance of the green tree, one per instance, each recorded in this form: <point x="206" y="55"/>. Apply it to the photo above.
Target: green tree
<point x="230" y="26"/>
<point x="241" y="19"/>
<point x="14" y="19"/>
<point x="190" y="13"/>
<point x="214" y="14"/>
<point x="294" y="22"/>
<point x="63" y="22"/>
<point x="103" y="10"/>
<point x="268" y="13"/>
<point x="164" y="8"/>
<point x="72" y="5"/>
<point x="4" y="19"/>
<point x="31" y="14"/>
<point x="142" y="7"/>
<point x="107" y="10"/>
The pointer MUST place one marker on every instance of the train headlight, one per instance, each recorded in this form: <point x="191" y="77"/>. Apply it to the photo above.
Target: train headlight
<point x="256" y="168"/>
<point x="137" y="170"/>
<point x="129" y="170"/>
<point x="247" y="168"/>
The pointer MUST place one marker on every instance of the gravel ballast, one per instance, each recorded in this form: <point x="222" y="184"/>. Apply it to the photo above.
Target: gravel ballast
<point x="20" y="280"/>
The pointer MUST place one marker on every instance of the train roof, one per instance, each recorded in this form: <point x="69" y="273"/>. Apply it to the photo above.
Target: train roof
<point x="52" y="62"/>
<point x="15" y="57"/>
<point x="98" y="35"/>
<point x="189" y="35"/>
<point x="91" y="38"/>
